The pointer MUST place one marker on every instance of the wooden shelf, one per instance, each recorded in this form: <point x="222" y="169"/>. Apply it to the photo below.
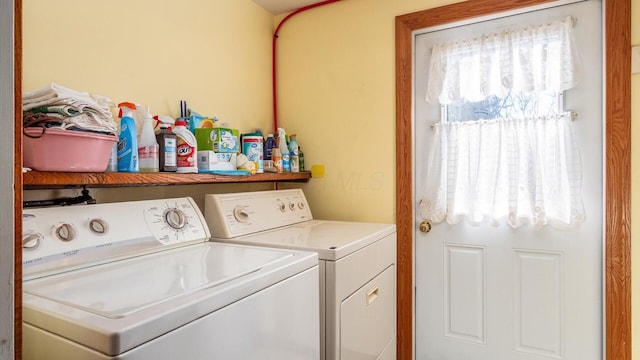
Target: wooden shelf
<point x="44" y="179"/>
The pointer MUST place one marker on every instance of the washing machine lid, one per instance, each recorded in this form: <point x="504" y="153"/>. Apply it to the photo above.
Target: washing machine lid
<point x="332" y="240"/>
<point x="116" y="306"/>
<point x="122" y="288"/>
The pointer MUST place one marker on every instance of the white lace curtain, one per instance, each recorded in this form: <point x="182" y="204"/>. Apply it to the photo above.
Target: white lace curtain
<point x="539" y="58"/>
<point x="521" y="170"/>
<point x="524" y="170"/>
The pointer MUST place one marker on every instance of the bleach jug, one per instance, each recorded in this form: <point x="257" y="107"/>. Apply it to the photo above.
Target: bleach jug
<point x="186" y="149"/>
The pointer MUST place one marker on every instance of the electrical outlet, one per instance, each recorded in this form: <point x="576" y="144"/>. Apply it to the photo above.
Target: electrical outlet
<point x="635" y="60"/>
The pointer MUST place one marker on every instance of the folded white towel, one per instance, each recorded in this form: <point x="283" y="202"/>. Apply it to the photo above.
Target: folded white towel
<point x="55" y="90"/>
<point x="93" y="111"/>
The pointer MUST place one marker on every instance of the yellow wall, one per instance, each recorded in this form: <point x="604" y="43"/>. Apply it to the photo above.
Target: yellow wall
<point x="337" y="92"/>
<point x="215" y="54"/>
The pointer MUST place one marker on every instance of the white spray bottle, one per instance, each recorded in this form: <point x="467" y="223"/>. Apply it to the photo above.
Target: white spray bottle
<point x="148" y="146"/>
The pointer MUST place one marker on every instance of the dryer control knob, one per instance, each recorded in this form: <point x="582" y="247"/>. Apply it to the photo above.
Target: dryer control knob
<point x="240" y="215"/>
<point x="64" y="232"/>
<point x="98" y="226"/>
<point x="175" y="218"/>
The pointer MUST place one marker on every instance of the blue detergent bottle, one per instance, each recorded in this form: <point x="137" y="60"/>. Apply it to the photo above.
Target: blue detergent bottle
<point x="128" y="140"/>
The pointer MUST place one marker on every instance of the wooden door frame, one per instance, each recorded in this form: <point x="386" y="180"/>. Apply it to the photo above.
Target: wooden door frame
<point x="617" y="163"/>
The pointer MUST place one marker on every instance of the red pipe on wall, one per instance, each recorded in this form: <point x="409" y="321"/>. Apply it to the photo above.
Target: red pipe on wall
<point x="273" y="63"/>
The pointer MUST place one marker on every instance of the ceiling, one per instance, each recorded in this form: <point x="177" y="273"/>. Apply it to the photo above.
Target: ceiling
<point x="283" y="6"/>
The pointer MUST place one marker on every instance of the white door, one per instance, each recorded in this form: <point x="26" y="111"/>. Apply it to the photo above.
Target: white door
<point x="487" y="292"/>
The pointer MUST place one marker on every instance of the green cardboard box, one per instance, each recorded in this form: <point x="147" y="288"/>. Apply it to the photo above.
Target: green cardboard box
<point x="220" y="140"/>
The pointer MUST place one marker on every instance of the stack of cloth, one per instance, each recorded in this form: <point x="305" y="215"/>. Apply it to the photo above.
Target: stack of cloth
<point x="55" y="105"/>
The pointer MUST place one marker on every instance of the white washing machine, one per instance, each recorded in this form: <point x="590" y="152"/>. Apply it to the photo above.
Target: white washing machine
<point x="140" y="280"/>
<point x="357" y="265"/>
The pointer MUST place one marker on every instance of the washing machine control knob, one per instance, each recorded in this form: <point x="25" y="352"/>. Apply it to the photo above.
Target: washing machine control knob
<point x="300" y="205"/>
<point x="31" y="241"/>
<point x="98" y="226"/>
<point x="292" y="206"/>
<point x="240" y="215"/>
<point x="283" y="207"/>
<point x="65" y="232"/>
<point x="175" y="218"/>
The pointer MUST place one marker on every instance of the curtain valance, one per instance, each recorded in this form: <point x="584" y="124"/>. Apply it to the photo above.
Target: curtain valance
<point x="540" y="58"/>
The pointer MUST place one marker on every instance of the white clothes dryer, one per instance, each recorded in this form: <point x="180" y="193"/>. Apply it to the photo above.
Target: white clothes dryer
<point x="139" y="280"/>
<point x="357" y="265"/>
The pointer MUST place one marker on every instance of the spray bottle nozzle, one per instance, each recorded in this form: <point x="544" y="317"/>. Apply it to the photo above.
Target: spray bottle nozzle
<point x="164" y="120"/>
<point x="127" y="107"/>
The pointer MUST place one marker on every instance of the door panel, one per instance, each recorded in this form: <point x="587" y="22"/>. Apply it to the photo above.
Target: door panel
<point x="464" y="292"/>
<point x="492" y="292"/>
<point x="538" y="302"/>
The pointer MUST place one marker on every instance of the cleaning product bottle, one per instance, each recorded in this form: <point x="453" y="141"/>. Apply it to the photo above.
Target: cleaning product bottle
<point x="300" y="159"/>
<point x="294" y="154"/>
<point x="167" y="144"/>
<point x="148" y="146"/>
<point x="137" y="113"/>
<point x="269" y="143"/>
<point x="282" y="144"/>
<point x="276" y="155"/>
<point x="186" y="149"/>
<point x="112" y="165"/>
<point x="128" y="140"/>
<point x="252" y="144"/>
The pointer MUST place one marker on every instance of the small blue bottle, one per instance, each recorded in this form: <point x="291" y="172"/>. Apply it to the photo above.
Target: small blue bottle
<point x="269" y="144"/>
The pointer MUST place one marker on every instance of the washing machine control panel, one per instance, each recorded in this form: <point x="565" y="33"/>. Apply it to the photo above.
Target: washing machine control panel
<point x="85" y="234"/>
<point x="233" y="215"/>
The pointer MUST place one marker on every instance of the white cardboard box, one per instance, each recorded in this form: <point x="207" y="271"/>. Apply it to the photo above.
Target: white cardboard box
<point x="209" y="160"/>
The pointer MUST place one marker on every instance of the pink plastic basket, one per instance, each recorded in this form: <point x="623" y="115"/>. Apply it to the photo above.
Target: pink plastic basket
<point x="66" y="150"/>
